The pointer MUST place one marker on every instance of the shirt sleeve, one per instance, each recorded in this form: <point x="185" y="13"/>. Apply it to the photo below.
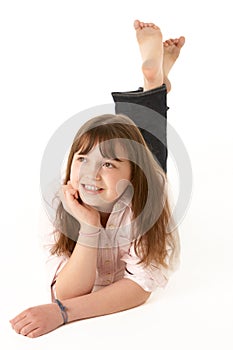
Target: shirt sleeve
<point x="54" y="264"/>
<point x="149" y="278"/>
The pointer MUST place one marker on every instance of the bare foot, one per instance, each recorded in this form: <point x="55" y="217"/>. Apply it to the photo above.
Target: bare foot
<point x="172" y="49"/>
<point x="150" y="43"/>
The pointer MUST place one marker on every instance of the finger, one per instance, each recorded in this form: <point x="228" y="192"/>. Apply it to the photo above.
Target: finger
<point x="35" y="333"/>
<point x="20" y="325"/>
<point x="72" y="203"/>
<point x="18" y="318"/>
<point x="67" y="187"/>
<point x="70" y="195"/>
<point x="71" y="191"/>
<point x="64" y="192"/>
<point x="62" y="195"/>
<point x="67" y="200"/>
<point x="29" y="328"/>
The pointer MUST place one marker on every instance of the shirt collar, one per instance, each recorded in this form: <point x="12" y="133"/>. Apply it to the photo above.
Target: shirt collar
<point x="124" y="200"/>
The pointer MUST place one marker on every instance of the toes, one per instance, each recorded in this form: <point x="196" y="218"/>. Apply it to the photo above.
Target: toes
<point x="181" y="42"/>
<point x="140" y="25"/>
<point x="136" y="24"/>
<point x="178" y="42"/>
<point x="169" y="42"/>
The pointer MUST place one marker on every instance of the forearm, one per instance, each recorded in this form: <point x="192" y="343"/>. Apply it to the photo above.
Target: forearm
<point x="119" y="296"/>
<point x="78" y="275"/>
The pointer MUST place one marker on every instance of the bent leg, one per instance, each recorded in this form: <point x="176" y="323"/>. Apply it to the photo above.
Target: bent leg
<point x="147" y="107"/>
<point x="148" y="110"/>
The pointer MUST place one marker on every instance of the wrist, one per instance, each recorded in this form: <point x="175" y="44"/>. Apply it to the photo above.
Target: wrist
<point x="90" y="238"/>
<point x="90" y="233"/>
<point x="88" y="229"/>
<point x="62" y="311"/>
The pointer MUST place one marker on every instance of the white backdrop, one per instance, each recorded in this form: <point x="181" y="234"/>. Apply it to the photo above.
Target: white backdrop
<point x="61" y="57"/>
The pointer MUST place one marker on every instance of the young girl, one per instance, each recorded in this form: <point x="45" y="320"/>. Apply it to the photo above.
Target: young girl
<point x="112" y="244"/>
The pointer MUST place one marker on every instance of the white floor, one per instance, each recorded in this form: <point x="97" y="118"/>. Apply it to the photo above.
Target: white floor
<point x="49" y="73"/>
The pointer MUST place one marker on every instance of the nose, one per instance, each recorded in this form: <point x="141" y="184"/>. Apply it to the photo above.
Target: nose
<point x="95" y="175"/>
<point x="91" y="171"/>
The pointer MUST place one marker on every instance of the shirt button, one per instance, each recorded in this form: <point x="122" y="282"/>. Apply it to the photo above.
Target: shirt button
<point x="111" y="226"/>
<point x="107" y="261"/>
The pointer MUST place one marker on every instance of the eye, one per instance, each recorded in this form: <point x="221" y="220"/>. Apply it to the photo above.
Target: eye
<point x="108" y="165"/>
<point x="81" y="159"/>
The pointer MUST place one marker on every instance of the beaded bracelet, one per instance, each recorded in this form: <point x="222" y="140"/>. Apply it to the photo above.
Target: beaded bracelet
<point x="91" y="234"/>
<point x="63" y="311"/>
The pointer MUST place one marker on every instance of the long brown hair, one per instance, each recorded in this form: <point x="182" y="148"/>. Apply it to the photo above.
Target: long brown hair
<point x="150" y="205"/>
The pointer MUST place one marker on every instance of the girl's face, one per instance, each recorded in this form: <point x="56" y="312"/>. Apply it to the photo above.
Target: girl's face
<point x="100" y="181"/>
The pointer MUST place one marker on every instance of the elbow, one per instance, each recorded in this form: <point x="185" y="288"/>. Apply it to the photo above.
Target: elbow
<point x="136" y="294"/>
<point x="139" y="299"/>
<point x="64" y="292"/>
<point x="59" y="292"/>
<point x="145" y="296"/>
<point x="63" y="295"/>
<point x="141" y="295"/>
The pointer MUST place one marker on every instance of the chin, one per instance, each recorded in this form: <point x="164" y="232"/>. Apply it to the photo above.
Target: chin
<point x="103" y="207"/>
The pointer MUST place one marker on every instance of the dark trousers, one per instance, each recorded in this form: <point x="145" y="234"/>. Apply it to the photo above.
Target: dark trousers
<point x="148" y="110"/>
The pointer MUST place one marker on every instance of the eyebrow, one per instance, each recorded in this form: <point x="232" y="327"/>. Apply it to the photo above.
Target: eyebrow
<point x="114" y="159"/>
<point x="104" y="158"/>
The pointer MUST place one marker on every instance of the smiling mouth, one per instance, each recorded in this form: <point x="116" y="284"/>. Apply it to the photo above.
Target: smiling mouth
<point x="92" y="189"/>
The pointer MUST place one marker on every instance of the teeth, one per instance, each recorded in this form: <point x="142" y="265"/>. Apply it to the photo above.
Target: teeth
<point x="91" y="188"/>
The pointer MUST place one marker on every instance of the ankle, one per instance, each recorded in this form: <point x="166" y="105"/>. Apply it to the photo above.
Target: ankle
<point x="153" y="76"/>
<point x="167" y="82"/>
<point x="150" y="85"/>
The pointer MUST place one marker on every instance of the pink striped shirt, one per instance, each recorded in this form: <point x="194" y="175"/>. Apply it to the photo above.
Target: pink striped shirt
<point x="116" y="255"/>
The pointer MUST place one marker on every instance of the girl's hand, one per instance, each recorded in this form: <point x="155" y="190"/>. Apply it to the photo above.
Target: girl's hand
<point x="37" y="320"/>
<point x="88" y="217"/>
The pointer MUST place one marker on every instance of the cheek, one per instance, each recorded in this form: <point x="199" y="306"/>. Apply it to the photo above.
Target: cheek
<point x="74" y="175"/>
<point x="121" y="186"/>
<point x="121" y="181"/>
<point x="126" y="174"/>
